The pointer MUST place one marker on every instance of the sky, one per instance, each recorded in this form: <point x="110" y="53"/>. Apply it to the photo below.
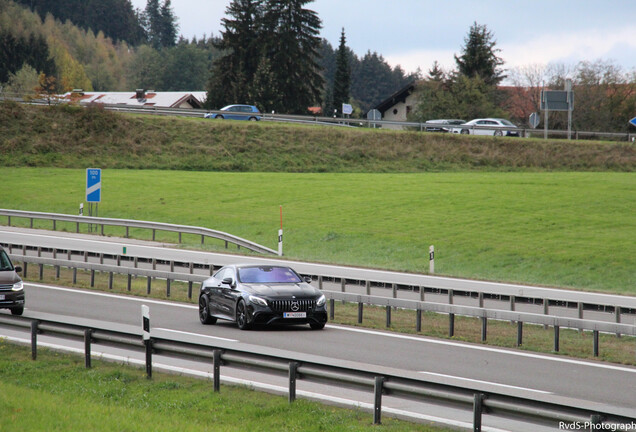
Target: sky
<point x="415" y="33"/>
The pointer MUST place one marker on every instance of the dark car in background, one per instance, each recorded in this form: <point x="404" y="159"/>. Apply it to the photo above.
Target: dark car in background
<point x="261" y="294"/>
<point x="11" y="287"/>
<point x="237" y="112"/>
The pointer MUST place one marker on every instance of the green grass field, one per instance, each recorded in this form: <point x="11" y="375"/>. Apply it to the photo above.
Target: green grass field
<point x="551" y="228"/>
<point x="56" y="393"/>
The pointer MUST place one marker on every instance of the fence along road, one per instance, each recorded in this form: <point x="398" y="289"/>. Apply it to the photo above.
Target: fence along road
<point x="513" y="297"/>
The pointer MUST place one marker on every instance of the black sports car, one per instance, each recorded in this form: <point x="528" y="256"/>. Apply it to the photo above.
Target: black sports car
<point x="261" y="294"/>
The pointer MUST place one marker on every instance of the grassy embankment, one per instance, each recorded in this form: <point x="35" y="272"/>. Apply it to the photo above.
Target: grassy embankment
<point x="56" y="393"/>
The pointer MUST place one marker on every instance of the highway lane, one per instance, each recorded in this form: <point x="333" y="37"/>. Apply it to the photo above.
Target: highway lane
<point x="483" y="367"/>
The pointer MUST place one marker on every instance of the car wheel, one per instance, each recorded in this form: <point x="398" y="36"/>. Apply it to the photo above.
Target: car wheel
<point x="204" y="311"/>
<point x="17" y="311"/>
<point x="317" y="326"/>
<point x="498" y="133"/>
<point x="241" y="316"/>
<point x="465" y="132"/>
<point x="220" y="117"/>
<point x="253" y="119"/>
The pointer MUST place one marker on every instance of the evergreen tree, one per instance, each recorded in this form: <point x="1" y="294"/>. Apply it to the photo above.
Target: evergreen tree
<point x="168" y="26"/>
<point x="479" y="56"/>
<point x="293" y="45"/>
<point x="342" y="78"/>
<point x="233" y="72"/>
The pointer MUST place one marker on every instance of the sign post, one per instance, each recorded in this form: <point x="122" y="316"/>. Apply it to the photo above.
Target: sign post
<point x="93" y="189"/>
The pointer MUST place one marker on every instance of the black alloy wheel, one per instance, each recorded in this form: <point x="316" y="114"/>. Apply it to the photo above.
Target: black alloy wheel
<point x="204" y="311"/>
<point x="241" y="316"/>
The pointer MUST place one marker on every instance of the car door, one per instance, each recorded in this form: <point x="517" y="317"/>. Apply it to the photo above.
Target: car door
<point x="479" y="131"/>
<point x="214" y="292"/>
<point x="228" y="293"/>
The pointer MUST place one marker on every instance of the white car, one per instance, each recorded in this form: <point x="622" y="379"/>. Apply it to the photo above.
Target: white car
<point x="487" y="126"/>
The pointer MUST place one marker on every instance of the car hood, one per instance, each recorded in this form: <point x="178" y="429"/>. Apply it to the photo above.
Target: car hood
<point x="8" y="277"/>
<point x="279" y="290"/>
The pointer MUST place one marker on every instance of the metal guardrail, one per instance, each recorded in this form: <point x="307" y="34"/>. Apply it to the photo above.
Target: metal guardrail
<point x="130" y="223"/>
<point x="521" y="318"/>
<point x="504" y="403"/>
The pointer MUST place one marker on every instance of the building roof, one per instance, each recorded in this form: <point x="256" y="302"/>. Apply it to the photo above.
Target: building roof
<point x="139" y="98"/>
<point x="398" y="96"/>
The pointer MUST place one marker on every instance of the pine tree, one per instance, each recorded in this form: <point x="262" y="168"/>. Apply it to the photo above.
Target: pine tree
<point x="232" y="73"/>
<point x="168" y="26"/>
<point x="292" y="44"/>
<point x="342" y="78"/>
<point x="479" y="56"/>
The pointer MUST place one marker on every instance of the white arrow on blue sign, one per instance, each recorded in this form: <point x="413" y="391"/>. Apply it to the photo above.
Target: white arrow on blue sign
<point x="93" y="185"/>
<point x="633" y="121"/>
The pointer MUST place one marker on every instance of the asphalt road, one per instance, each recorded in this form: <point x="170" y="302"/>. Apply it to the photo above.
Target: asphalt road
<point x="479" y="365"/>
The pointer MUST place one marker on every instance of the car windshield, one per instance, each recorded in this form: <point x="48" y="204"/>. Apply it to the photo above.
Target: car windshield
<point x="5" y="262"/>
<point x="267" y="274"/>
<point x="506" y="122"/>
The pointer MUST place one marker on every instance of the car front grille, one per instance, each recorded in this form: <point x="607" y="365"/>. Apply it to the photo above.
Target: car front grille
<point x="290" y="305"/>
<point x="6" y="287"/>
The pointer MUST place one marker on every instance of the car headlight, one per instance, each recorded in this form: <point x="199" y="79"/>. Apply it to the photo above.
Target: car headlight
<point x="321" y="300"/>
<point x="258" y="300"/>
<point x="17" y="286"/>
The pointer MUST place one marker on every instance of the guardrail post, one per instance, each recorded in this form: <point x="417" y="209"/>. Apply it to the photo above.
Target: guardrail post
<point x="77" y="227"/>
<point x="478" y="407"/>
<point x="451" y="325"/>
<point x="388" y="316"/>
<point x="595" y="336"/>
<point x="546" y="310"/>
<point x="153" y="234"/>
<point x="148" y="346"/>
<point x="216" y="380"/>
<point x="54" y="225"/>
<point x="481" y="299"/>
<point x="519" y="333"/>
<point x="41" y="271"/>
<point x="360" y="312"/>
<point x="617" y="312"/>
<point x="377" y="400"/>
<point x="320" y="283"/>
<point x="367" y="286"/>
<point x="422" y="293"/>
<point x="202" y="238"/>
<point x="110" y="280"/>
<point x="92" y="278"/>
<point x="101" y="258"/>
<point x="332" y="306"/>
<point x="179" y="237"/>
<point x="556" y="338"/>
<point x="129" y="282"/>
<point x="148" y="286"/>
<point x="167" y="287"/>
<point x="74" y="275"/>
<point x="418" y="320"/>
<point x="450" y="296"/>
<point x="127" y="232"/>
<point x="88" y="339"/>
<point x="293" y="369"/>
<point x="484" y="328"/>
<point x="34" y="340"/>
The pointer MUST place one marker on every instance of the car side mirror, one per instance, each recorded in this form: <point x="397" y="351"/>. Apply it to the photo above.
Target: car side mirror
<point x="307" y="279"/>
<point x="228" y="281"/>
<point x="17" y="269"/>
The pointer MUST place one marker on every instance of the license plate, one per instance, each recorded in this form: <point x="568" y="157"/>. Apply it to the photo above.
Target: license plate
<point x="2" y="297"/>
<point x="295" y="315"/>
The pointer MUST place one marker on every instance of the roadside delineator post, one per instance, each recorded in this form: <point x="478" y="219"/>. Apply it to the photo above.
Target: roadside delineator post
<point x="145" y="322"/>
<point x="431" y="259"/>
<point x="280" y="234"/>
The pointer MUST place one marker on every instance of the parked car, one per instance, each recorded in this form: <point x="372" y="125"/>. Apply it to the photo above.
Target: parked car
<point x="261" y="294"/>
<point x="11" y="288"/>
<point x="442" y="122"/>
<point x="237" y="112"/>
<point x="487" y="126"/>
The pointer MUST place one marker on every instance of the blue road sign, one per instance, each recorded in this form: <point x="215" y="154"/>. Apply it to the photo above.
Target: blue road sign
<point x="633" y="121"/>
<point x="93" y="185"/>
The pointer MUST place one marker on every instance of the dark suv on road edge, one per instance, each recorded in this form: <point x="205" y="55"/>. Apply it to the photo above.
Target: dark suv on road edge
<point x="11" y="288"/>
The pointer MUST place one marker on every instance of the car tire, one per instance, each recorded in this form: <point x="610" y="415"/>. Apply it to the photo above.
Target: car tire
<point x="220" y="117"/>
<point x="465" y="132"/>
<point x="242" y="319"/>
<point x="498" y="133"/>
<point x="253" y="119"/>
<point x="17" y="311"/>
<point x="317" y="326"/>
<point x="204" y="311"/>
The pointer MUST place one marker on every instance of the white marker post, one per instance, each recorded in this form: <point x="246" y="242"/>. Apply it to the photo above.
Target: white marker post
<point x="280" y="234"/>
<point x="145" y="323"/>
<point x="81" y="213"/>
<point x="431" y="259"/>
